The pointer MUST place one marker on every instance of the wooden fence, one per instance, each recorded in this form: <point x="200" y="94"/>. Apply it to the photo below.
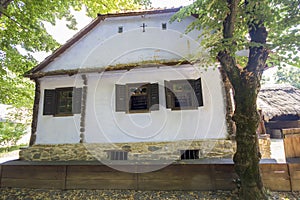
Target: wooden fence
<point x="278" y="177"/>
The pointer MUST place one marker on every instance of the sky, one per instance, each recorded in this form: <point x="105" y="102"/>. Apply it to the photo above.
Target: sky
<point x="61" y="33"/>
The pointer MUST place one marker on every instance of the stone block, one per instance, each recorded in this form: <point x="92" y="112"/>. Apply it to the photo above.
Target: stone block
<point x="137" y="151"/>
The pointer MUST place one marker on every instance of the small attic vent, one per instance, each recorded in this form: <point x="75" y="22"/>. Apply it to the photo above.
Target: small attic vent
<point x="164" y="26"/>
<point x="117" y="155"/>
<point x="120" y="29"/>
<point x="189" y="154"/>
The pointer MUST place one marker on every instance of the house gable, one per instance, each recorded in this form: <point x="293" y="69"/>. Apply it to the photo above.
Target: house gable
<point x="146" y="37"/>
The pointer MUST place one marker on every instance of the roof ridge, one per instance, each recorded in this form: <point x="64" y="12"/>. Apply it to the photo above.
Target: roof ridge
<point x="140" y="11"/>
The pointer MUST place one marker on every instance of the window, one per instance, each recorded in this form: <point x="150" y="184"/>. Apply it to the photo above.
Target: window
<point x="183" y="94"/>
<point x="117" y="155"/>
<point x="164" y="26"/>
<point x="189" y="154"/>
<point x="62" y="101"/>
<point x="120" y="29"/>
<point x="137" y="97"/>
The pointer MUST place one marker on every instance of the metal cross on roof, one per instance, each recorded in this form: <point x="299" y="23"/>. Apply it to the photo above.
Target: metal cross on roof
<point x="144" y="26"/>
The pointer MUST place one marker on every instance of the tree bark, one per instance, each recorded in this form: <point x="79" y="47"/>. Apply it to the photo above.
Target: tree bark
<point x="36" y="103"/>
<point x="247" y="156"/>
<point x="246" y="85"/>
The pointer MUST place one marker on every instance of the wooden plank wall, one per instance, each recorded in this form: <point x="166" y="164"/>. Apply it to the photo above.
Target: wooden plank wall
<point x="98" y="177"/>
<point x="282" y="124"/>
<point x="294" y="169"/>
<point x="277" y="177"/>
<point x="33" y="176"/>
<point x="291" y="142"/>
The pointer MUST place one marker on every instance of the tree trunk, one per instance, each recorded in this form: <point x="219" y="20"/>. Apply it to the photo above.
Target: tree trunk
<point x="37" y="95"/>
<point x="247" y="156"/>
<point x="246" y="159"/>
<point x="246" y="84"/>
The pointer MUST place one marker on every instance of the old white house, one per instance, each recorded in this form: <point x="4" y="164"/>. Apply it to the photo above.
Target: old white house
<point x="128" y="86"/>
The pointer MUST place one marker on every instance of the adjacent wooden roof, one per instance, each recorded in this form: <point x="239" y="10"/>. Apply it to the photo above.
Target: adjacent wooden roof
<point x="87" y="29"/>
<point x="278" y="100"/>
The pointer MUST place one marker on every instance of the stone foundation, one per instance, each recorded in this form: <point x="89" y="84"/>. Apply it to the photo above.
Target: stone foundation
<point x="136" y="151"/>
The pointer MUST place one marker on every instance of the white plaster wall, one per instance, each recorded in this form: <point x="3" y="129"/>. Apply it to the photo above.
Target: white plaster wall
<point x="103" y="124"/>
<point x="57" y="130"/>
<point x="104" y="46"/>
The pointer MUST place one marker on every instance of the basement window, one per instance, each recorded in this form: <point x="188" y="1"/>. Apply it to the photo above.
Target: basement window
<point x="117" y="155"/>
<point x="164" y="26"/>
<point x="189" y="154"/>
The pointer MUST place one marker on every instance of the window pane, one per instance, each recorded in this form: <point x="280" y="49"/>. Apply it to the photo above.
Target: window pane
<point x="183" y="94"/>
<point x="183" y="100"/>
<point x="138" y="97"/>
<point x="139" y="102"/>
<point x="64" y="100"/>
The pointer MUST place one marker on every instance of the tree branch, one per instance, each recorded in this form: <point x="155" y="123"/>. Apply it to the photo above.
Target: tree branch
<point x="229" y="21"/>
<point x="13" y="20"/>
<point x="258" y="52"/>
<point x="231" y="68"/>
<point x="227" y="61"/>
<point x="3" y="5"/>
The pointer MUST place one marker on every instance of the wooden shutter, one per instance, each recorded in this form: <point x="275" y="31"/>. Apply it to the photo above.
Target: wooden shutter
<point x="121" y="98"/>
<point x="169" y="94"/>
<point x="76" y="100"/>
<point x="194" y="99"/>
<point x="49" y="102"/>
<point x="154" y="96"/>
<point x="198" y="91"/>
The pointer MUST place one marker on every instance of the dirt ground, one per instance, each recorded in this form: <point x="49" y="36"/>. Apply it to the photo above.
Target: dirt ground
<point x="28" y="194"/>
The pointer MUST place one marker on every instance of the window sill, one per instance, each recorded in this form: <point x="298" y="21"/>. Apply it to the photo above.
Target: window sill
<point x="184" y="108"/>
<point x="137" y="111"/>
<point x="63" y="115"/>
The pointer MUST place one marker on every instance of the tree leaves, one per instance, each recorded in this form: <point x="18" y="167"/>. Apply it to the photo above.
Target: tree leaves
<point x="281" y="18"/>
<point x="22" y="25"/>
<point x="289" y="75"/>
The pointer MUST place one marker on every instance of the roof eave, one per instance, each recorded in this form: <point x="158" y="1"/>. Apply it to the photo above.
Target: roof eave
<point x="64" y="47"/>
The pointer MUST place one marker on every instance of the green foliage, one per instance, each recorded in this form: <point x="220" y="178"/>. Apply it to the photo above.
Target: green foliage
<point x="4" y="150"/>
<point x="280" y="17"/>
<point x="15" y="125"/>
<point x="22" y="25"/>
<point x="290" y="76"/>
<point x="11" y="132"/>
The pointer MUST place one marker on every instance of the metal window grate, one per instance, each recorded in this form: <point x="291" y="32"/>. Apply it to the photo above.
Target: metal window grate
<point x="117" y="155"/>
<point x="189" y="154"/>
